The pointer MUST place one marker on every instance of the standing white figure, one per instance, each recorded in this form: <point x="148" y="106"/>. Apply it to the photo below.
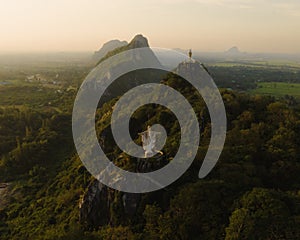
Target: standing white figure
<point x="149" y="140"/>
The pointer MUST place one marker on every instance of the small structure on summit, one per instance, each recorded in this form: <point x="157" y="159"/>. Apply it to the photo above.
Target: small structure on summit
<point x="190" y="53"/>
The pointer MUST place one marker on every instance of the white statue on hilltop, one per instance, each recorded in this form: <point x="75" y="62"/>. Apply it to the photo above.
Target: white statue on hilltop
<point x="149" y="140"/>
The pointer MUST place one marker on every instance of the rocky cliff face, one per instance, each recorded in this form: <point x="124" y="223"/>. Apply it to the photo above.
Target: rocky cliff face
<point x="100" y="204"/>
<point x="138" y="41"/>
<point x="94" y="206"/>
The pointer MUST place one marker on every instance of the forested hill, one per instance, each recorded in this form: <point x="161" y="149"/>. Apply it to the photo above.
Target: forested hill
<point x="46" y="192"/>
<point x="253" y="193"/>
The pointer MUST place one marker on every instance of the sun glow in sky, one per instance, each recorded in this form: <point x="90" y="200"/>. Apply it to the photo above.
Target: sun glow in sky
<point x="206" y="25"/>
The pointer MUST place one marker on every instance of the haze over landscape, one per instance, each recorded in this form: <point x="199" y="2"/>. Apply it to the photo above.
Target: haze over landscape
<point x="204" y="25"/>
<point x="90" y="90"/>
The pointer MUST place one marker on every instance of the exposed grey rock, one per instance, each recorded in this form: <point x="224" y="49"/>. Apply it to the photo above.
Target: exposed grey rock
<point x="139" y="41"/>
<point x="150" y="164"/>
<point x="96" y="204"/>
<point x="130" y="203"/>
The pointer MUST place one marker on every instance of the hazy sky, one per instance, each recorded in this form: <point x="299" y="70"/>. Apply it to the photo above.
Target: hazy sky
<point x="207" y="25"/>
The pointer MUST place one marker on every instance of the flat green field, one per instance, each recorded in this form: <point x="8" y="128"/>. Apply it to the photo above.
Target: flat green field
<point x="278" y="89"/>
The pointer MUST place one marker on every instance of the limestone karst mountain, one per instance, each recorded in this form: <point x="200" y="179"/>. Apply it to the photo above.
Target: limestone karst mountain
<point x="139" y="41"/>
<point x="116" y="64"/>
<point x="233" y="50"/>
<point x="107" y="47"/>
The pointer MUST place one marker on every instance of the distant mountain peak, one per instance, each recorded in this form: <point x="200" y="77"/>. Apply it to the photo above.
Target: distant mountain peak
<point x="139" y="41"/>
<point x="118" y="60"/>
<point x="233" y="50"/>
<point x="107" y="47"/>
<point x="114" y="42"/>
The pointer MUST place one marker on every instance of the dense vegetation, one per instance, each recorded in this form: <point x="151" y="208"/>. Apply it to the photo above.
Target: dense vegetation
<point x="253" y="193"/>
<point x="244" y="76"/>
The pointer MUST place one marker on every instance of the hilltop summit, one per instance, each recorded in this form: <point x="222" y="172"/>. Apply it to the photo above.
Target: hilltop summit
<point x="139" y="41"/>
<point x="191" y="69"/>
